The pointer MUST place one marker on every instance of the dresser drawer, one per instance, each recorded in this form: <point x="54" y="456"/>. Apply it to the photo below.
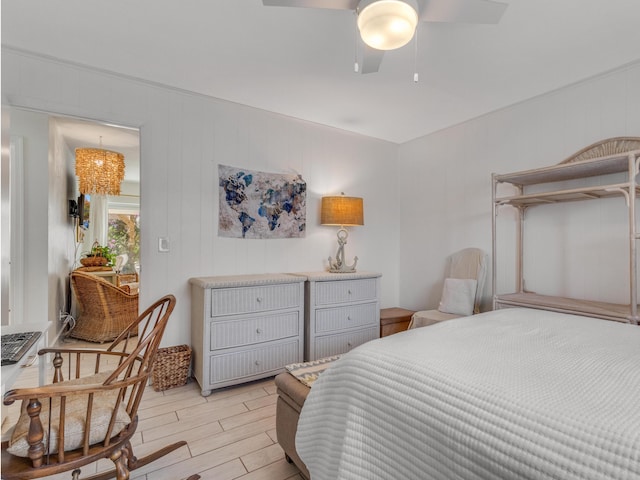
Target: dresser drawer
<point x="329" y="345"/>
<point x="346" y="291"/>
<point x="241" y="300"/>
<point x="342" y="318"/>
<point x="231" y="366"/>
<point x="253" y="330"/>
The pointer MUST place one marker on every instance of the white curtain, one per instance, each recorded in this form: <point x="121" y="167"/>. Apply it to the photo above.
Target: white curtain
<point x="98" y="222"/>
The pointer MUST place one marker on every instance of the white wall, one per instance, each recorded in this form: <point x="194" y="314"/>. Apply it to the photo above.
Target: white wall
<point x="61" y="239"/>
<point x="446" y="178"/>
<point x="440" y="203"/>
<point x="183" y="139"/>
<point x="48" y="231"/>
<point x="34" y="130"/>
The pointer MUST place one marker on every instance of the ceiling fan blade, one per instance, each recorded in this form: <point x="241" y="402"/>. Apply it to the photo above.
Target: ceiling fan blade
<point x="371" y="59"/>
<point x="462" y="11"/>
<point x="334" y="4"/>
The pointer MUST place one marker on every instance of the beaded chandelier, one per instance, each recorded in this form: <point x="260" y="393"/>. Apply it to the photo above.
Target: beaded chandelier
<point x="99" y="171"/>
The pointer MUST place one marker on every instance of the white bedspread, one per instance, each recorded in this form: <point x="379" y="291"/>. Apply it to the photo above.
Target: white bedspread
<point x="510" y="394"/>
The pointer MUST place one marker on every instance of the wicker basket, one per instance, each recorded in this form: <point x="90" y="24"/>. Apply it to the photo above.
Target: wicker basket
<point x="94" y="261"/>
<point x="171" y="367"/>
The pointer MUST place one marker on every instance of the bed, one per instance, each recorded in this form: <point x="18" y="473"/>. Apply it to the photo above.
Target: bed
<point x="509" y="394"/>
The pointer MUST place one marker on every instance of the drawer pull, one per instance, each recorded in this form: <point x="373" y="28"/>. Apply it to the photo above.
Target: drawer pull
<point x="349" y="317"/>
<point x="349" y="344"/>
<point x="258" y="331"/>
<point x="257" y="362"/>
<point x="259" y="299"/>
<point x="349" y="292"/>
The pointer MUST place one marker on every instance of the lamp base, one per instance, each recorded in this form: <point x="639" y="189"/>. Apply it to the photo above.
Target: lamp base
<point x="341" y="267"/>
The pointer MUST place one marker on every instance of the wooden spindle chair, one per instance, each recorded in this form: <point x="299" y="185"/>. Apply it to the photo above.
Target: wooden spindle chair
<point x="93" y="414"/>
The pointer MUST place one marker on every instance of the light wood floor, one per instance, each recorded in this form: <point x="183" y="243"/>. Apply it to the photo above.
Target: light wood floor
<point x="230" y="434"/>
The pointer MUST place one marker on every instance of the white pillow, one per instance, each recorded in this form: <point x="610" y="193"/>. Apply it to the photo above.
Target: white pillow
<point x="458" y="296"/>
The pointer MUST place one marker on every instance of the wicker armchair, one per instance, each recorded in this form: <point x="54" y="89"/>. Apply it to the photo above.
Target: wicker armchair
<point x="126" y="278"/>
<point x="104" y="310"/>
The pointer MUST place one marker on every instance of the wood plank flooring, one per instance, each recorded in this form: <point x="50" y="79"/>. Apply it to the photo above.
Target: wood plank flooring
<point x="230" y="434"/>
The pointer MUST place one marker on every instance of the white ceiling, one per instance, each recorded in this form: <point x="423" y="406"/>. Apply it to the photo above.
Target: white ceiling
<point x="299" y="62"/>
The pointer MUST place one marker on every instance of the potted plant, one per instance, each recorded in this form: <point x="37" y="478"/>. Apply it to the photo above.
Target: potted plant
<point x="99" y="256"/>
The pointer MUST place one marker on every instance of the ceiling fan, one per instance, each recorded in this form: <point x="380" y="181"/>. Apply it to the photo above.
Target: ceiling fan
<point x="390" y="24"/>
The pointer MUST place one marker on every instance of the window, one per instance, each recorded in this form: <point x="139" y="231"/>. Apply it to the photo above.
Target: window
<point x="124" y="235"/>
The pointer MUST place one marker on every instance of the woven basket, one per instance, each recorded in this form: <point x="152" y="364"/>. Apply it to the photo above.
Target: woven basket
<point x="171" y="367"/>
<point x="94" y="261"/>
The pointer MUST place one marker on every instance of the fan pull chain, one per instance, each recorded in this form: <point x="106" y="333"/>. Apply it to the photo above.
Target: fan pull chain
<point x="356" y="67"/>
<point x="415" y="56"/>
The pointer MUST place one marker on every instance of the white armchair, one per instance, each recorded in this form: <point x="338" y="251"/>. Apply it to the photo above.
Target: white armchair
<point x="121" y="261"/>
<point x="462" y="292"/>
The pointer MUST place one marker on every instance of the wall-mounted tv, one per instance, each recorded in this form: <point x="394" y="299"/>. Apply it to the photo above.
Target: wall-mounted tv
<point x="84" y="209"/>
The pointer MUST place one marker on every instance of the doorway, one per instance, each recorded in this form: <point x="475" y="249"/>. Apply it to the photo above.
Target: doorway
<point x="119" y="219"/>
<point x="42" y="223"/>
<point x="110" y="221"/>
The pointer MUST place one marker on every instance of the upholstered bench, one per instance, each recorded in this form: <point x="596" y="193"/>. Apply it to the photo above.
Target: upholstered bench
<point x="293" y="386"/>
<point x="291" y="396"/>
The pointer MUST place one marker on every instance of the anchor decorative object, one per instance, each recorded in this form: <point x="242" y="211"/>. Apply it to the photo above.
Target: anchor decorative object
<point x="342" y="211"/>
<point x="340" y="266"/>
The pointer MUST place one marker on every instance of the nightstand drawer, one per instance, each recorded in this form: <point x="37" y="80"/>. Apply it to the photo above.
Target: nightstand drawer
<point x="247" y="363"/>
<point x="235" y="301"/>
<point x="343" y="318"/>
<point x="346" y="291"/>
<point x="258" y="329"/>
<point x="329" y="345"/>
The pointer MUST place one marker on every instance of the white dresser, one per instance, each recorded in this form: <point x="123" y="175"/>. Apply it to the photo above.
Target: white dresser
<point x="245" y="327"/>
<point x="342" y="311"/>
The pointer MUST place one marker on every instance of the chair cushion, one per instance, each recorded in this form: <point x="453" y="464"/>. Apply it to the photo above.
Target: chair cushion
<point x="75" y="418"/>
<point x="424" y="318"/>
<point x="130" y="288"/>
<point x="458" y="296"/>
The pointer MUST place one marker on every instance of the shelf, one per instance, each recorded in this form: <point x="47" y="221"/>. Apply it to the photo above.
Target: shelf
<point x="617" y="163"/>
<point x="569" y="195"/>
<point x="610" y="311"/>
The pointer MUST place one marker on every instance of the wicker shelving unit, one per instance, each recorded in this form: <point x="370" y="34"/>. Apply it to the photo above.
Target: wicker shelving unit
<point x="540" y="187"/>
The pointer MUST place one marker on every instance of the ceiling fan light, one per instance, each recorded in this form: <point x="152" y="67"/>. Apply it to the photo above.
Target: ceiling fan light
<point x="387" y="24"/>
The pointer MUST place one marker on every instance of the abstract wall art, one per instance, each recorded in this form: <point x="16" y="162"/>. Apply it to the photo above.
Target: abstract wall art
<point x="260" y="204"/>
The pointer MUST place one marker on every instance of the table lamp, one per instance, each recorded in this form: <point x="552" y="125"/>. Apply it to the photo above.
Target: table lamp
<point x="342" y="211"/>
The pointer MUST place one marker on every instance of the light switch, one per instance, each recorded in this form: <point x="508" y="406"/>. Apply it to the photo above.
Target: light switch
<point x="163" y="244"/>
